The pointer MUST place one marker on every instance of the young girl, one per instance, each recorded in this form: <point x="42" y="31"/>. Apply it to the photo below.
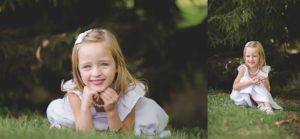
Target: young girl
<point x="251" y="87"/>
<point x="103" y="95"/>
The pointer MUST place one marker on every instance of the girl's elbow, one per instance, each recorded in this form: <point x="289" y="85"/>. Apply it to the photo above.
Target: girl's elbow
<point x="128" y="126"/>
<point x="84" y="129"/>
<point x="127" y="129"/>
<point x="235" y="87"/>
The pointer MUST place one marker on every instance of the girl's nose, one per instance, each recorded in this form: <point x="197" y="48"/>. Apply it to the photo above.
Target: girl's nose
<point x="96" y="71"/>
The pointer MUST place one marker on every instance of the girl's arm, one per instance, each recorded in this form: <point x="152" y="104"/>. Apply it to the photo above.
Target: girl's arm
<point x="82" y="114"/>
<point x="237" y="85"/>
<point x="266" y="82"/>
<point x="115" y="122"/>
<point x="129" y="122"/>
<point x="110" y="98"/>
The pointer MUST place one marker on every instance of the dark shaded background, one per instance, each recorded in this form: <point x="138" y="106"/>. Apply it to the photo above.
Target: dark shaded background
<point x="275" y="24"/>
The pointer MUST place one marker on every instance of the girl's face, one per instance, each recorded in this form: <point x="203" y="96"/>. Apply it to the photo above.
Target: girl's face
<point x="251" y="57"/>
<point x="96" y="65"/>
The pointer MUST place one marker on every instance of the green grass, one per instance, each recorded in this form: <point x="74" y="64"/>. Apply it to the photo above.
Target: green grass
<point x="228" y="121"/>
<point x="31" y="125"/>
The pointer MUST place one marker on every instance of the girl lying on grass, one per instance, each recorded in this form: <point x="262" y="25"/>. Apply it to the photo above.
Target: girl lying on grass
<point x="103" y="95"/>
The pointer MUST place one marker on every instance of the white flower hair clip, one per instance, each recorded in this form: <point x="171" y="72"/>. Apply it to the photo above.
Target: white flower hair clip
<point x="248" y="43"/>
<point x="81" y="36"/>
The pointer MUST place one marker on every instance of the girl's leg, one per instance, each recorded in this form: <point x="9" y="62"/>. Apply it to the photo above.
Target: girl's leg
<point x="267" y="108"/>
<point x="260" y="105"/>
<point x="263" y="106"/>
<point x="257" y="103"/>
<point x="267" y="105"/>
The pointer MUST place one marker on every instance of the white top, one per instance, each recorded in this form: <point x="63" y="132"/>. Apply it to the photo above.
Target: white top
<point x="258" y="92"/>
<point x="150" y="118"/>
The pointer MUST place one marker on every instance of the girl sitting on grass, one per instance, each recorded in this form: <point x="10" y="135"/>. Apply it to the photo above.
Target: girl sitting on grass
<point x="251" y="87"/>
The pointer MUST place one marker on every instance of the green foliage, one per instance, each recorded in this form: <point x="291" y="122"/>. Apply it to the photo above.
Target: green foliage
<point x="14" y="61"/>
<point x="192" y="12"/>
<point x="14" y="5"/>
<point x="233" y="23"/>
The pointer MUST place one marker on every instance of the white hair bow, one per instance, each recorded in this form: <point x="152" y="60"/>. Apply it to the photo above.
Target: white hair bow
<point x="81" y="36"/>
<point x="248" y="43"/>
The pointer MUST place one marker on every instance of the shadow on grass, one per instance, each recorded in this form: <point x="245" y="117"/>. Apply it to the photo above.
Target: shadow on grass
<point x="15" y="113"/>
<point x="290" y="106"/>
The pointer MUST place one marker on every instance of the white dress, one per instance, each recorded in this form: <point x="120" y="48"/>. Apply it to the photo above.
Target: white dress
<point x="150" y="118"/>
<point x="257" y="92"/>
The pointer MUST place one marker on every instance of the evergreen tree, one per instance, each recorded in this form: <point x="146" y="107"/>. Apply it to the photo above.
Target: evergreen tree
<point x="232" y="23"/>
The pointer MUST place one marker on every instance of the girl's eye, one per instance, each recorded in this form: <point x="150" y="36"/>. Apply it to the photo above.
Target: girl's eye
<point x="87" y="66"/>
<point x="104" y="64"/>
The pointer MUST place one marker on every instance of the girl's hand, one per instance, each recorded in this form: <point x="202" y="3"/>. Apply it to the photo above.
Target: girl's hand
<point x="110" y="98"/>
<point x="255" y="80"/>
<point x="258" y="80"/>
<point x="87" y="97"/>
<point x="262" y="79"/>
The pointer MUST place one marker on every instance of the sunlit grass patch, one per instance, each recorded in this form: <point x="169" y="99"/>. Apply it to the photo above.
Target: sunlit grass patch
<point x="226" y="120"/>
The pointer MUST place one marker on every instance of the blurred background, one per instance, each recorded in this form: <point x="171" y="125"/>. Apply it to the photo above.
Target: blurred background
<point x="164" y="41"/>
<point x="275" y="24"/>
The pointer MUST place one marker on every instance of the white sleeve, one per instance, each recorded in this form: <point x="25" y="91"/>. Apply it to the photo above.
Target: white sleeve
<point x="127" y="102"/>
<point x="68" y="85"/>
<point x="265" y="70"/>
<point x="240" y="66"/>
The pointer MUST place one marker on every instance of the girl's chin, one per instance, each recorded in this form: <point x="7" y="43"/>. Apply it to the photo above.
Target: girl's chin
<point x="98" y="88"/>
<point x="251" y="65"/>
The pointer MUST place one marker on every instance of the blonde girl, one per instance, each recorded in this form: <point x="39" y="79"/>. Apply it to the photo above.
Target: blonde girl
<point x="103" y="95"/>
<point x="251" y="87"/>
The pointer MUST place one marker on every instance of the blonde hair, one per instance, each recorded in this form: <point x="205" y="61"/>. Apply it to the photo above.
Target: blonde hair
<point x="123" y="79"/>
<point x="260" y="50"/>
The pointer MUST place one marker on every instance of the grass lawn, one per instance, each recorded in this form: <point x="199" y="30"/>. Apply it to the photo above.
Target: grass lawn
<point x="31" y="125"/>
<point x="228" y="121"/>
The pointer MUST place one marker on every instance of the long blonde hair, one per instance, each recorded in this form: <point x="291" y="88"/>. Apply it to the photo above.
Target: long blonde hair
<point x="123" y="79"/>
<point x="260" y="49"/>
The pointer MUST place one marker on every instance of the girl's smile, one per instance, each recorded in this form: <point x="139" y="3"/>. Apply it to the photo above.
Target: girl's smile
<point x="251" y="63"/>
<point x="97" y="82"/>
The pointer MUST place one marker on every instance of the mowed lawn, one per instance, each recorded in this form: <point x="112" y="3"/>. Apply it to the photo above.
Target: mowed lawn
<point x="228" y="121"/>
<point x="31" y="125"/>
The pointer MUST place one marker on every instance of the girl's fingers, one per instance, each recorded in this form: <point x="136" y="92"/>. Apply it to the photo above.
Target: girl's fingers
<point x="104" y="96"/>
<point x="109" y="97"/>
<point x="110" y="93"/>
<point x="89" y="90"/>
